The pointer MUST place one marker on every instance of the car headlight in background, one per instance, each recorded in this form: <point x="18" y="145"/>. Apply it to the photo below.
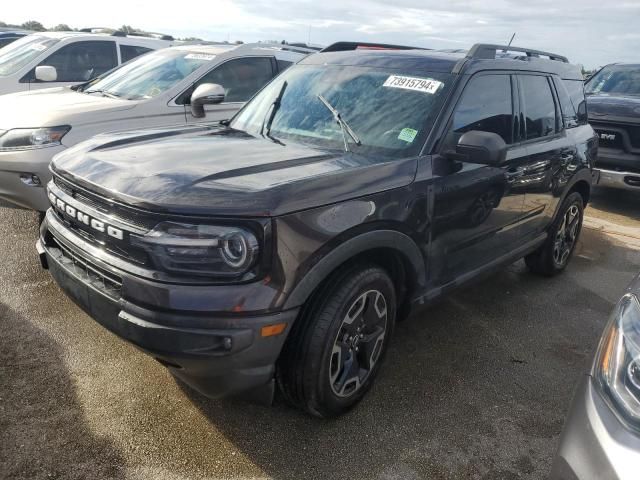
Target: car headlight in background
<point x="28" y="138"/>
<point x="202" y="250"/>
<point x="617" y="365"/>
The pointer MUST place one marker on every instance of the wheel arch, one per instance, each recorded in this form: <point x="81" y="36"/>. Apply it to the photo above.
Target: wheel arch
<point x="392" y="250"/>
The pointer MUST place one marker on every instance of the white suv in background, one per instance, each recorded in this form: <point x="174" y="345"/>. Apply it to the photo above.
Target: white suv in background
<point x="53" y="59"/>
<point x="178" y="85"/>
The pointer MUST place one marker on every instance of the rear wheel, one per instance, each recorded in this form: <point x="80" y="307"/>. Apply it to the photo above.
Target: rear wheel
<point x="556" y="252"/>
<point x="337" y="345"/>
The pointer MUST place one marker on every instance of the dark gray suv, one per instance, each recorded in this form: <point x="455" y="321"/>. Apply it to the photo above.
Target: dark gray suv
<point x="283" y="245"/>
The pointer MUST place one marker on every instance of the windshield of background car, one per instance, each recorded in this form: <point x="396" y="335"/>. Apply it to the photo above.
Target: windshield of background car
<point x="386" y="109"/>
<point x="615" y="79"/>
<point x="19" y="53"/>
<point x="150" y="74"/>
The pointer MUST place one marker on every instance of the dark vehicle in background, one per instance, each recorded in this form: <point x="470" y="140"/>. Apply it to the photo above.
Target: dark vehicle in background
<point x="8" y="36"/>
<point x="601" y="437"/>
<point x="283" y="245"/>
<point x="613" y="97"/>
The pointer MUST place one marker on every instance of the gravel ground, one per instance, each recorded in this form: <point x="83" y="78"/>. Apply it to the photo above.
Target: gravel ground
<point x="475" y="387"/>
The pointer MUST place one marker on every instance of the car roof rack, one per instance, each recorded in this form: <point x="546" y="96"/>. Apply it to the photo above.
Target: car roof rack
<point x="346" y="46"/>
<point x="485" y="51"/>
<point x="120" y="33"/>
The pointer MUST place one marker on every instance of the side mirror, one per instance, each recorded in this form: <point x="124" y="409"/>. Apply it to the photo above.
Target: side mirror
<point x="205" y="94"/>
<point x="485" y="148"/>
<point x="46" y="73"/>
<point x="582" y="114"/>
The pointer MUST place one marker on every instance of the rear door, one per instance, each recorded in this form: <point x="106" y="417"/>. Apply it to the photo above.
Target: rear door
<point x="241" y="78"/>
<point x="551" y="154"/>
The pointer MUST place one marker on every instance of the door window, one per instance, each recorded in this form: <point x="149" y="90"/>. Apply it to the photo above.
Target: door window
<point x="486" y="105"/>
<point x="539" y="106"/>
<point x="241" y="78"/>
<point x="82" y="61"/>
<point x="127" y="52"/>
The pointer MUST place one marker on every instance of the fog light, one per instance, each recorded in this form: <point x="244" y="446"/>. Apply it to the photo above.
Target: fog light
<point x="30" y="180"/>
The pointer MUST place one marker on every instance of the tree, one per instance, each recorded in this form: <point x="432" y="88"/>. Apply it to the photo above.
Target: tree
<point x="62" y="27"/>
<point x="3" y="25"/>
<point x="33" y="25"/>
<point x="127" y="29"/>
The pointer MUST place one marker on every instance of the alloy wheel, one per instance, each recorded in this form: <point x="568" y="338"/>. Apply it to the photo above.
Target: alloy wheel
<point x="358" y="344"/>
<point x="566" y="235"/>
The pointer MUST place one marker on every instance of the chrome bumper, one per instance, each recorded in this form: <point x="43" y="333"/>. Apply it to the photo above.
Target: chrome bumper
<point x="611" y="178"/>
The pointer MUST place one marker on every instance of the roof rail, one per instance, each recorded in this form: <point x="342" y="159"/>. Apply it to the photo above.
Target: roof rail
<point x="487" y="51"/>
<point x="280" y="46"/>
<point x="346" y="46"/>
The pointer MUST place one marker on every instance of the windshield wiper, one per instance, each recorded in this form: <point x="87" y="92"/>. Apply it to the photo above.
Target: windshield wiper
<point x="275" y="106"/>
<point x="344" y="126"/>
<point x="104" y="93"/>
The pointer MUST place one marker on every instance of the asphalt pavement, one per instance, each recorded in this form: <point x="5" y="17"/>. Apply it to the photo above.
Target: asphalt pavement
<point x="476" y="387"/>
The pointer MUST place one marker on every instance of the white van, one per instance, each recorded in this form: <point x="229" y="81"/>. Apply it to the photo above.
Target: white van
<point x="178" y="85"/>
<point x="52" y="59"/>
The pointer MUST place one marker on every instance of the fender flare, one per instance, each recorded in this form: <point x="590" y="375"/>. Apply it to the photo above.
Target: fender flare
<point x="584" y="175"/>
<point x="393" y="239"/>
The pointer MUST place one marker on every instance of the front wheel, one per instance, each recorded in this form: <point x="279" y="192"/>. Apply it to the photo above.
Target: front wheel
<point x="337" y="345"/>
<point x="555" y="253"/>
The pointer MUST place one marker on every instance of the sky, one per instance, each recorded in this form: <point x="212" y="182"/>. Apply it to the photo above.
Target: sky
<point x="589" y="32"/>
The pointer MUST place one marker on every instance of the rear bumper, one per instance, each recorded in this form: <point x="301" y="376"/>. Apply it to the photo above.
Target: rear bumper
<point x="614" y="179"/>
<point x="594" y="444"/>
<point x="14" y="164"/>
<point x="216" y="354"/>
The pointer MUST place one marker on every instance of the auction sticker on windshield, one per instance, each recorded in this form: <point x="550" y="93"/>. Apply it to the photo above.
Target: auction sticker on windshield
<point x="199" y="56"/>
<point x="426" y="85"/>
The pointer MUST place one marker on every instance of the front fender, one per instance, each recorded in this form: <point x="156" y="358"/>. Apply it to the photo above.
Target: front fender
<point x="392" y="239"/>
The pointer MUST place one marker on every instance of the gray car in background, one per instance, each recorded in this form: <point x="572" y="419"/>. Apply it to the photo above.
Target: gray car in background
<point x="601" y="438"/>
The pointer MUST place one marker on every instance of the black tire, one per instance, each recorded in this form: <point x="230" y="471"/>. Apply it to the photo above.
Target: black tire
<point x="312" y="371"/>
<point x="554" y="255"/>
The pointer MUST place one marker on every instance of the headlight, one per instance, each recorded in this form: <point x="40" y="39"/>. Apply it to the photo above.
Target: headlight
<point x="27" y="138"/>
<point x="617" y="365"/>
<point x="203" y="250"/>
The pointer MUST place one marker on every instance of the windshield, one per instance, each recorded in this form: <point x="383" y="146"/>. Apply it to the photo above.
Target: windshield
<point x="387" y="111"/>
<point x="149" y="75"/>
<point x="616" y="79"/>
<point x="19" y="53"/>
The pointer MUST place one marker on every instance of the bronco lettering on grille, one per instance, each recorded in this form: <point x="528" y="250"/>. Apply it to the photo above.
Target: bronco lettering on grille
<point x="84" y="218"/>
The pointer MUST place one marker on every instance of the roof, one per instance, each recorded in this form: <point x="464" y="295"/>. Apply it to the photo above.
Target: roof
<point x="64" y="35"/>
<point x="459" y="61"/>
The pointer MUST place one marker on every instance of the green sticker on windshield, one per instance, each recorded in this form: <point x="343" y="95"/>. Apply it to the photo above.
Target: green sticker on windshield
<point x="407" y="135"/>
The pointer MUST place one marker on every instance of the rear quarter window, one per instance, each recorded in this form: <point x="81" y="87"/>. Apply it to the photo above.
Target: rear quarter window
<point x="128" y="52"/>
<point x="575" y="88"/>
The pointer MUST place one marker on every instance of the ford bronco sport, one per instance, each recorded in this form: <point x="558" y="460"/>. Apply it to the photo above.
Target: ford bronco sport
<point x="280" y="247"/>
<point x="613" y="95"/>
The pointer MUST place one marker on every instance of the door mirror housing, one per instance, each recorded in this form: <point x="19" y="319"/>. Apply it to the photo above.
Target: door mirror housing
<point x="46" y="73"/>
<point x="484" y="148"/>
<point x="206" y="94"/>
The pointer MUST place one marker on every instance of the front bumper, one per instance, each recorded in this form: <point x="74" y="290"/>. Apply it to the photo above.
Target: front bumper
<point x="595" y="444"/>
<point x="13" y="164"/>
<point x="215" y="353"/>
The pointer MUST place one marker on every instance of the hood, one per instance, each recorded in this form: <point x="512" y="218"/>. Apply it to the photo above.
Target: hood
<point x="54" y="106"/>
<point x="614" y="107"/>
<point x="220" y="171"/>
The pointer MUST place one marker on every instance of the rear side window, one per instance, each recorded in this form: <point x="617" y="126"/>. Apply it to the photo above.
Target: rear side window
<point x="539" y="106"/>
<point x="127" y="52"/>
<point x="240" y="77"/>
<point x="569" y="113"/>
<point x="486" y="105"/>
<point x="82" y="61"/>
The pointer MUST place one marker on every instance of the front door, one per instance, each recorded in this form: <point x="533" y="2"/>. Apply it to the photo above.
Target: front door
<point x="241" y="79"/>
<point x="476" y="211"/>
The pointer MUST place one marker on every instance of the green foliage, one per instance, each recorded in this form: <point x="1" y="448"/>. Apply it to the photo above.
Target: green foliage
<point x="62" y="27"/>
<point x="33" y="25"/>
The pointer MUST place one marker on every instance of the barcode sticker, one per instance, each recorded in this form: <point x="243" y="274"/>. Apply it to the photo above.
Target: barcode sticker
<point x="199" y="56"/>
<point x="426" y="85"/>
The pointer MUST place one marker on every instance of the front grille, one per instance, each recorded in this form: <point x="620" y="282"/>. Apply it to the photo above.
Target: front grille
<point x="626" y="136"/>
<point x="634" y="135"/>
<point x="107" y="282"/>
<point x="605" y="141"/>
<point x="125" y="215"/>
